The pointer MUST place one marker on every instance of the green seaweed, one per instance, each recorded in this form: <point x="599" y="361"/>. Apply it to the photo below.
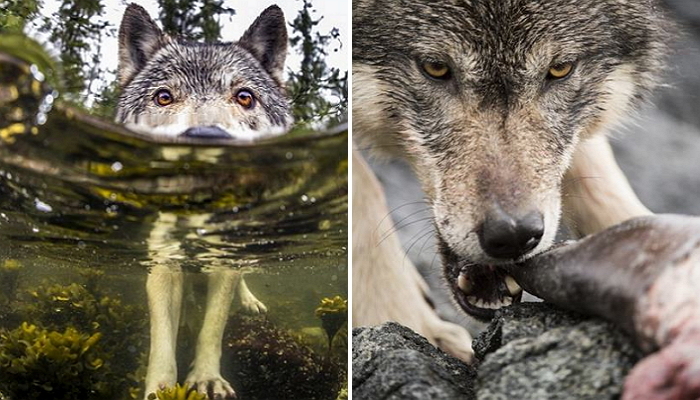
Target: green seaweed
<point x="37" y="363"/>
<point x="333" y="313"/>
<point x="121" y="330"/>
<point x="177" y="393"/>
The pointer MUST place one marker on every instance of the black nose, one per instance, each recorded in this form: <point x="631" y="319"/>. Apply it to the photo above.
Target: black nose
<point x="508" y="237"/>
<point x="206" y="132"/>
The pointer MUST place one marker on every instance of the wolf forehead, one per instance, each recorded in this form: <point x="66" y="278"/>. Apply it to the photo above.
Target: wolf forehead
<point x="203" y="69"/>
<point x="504" y="31"/>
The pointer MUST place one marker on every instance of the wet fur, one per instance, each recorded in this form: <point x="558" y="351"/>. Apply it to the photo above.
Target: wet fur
<point x="498" y="132"/>
<point x="203" y="79"/>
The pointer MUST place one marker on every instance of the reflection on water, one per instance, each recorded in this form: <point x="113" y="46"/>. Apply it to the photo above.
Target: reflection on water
<point x="81" y="202"/>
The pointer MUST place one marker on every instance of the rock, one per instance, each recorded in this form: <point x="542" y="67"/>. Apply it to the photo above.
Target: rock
<point x="530" y="351"/>
<point x="534" y="351"/>
<point x="391" y="361"/>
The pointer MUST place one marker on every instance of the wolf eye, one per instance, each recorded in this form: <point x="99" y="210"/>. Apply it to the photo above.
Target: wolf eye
<point x="436" y="69"/>
<point x="560" y="71"/>
<point x="163" y="97"/>
<point x="245" y="98"/>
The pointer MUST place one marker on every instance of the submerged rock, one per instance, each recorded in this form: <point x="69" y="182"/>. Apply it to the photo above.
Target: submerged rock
<point x="529" y="351"/>
<point x="393" y="362"/>
<point x="264" y="362"/>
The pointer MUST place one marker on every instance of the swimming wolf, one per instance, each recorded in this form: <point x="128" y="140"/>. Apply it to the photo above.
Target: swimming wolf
<point x="171" y="87"/>
<point x="501" y="108"/>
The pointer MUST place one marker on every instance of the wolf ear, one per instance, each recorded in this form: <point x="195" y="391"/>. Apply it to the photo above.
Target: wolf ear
<point x="139" y="38"/>
<point x="266" y="40"/>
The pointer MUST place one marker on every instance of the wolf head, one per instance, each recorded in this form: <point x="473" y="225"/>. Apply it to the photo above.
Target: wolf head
<point x="221" y="90"/>
<point x="488" y="99"/>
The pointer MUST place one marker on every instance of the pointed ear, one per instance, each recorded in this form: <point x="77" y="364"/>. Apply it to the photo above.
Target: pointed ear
<point x="266" y="40"/>
<point x="139" y="39"/>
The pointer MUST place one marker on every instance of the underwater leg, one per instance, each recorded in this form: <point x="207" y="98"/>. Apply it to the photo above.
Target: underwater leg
<point x="206" y="370"/>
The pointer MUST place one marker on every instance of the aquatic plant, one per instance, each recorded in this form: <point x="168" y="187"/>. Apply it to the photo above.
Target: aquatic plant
<point x="122" y="328"/>
<point x="37" y="363"/>
<point x="343" y="394"/>
<point x="333" y="313"/>
<point x="9" y="278"/>
<point x="177" y="393"/>
<point x="265" y="362"/>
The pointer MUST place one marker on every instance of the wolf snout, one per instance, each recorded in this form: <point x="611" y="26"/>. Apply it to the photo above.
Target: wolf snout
<point x="505" y="236"/>
<point x="206" y="132"/>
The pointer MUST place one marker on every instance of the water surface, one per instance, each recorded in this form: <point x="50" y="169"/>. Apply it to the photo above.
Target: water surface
<point x="80" y="197"/>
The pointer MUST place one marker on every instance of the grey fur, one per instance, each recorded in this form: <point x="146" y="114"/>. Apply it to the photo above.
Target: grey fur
<point x="203" y="78"/>
<point x="498" y="131"/>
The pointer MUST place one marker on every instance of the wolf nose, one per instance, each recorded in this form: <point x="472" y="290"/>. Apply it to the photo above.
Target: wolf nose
<point x="206" y="132"/>
<point x="504" y="236"/>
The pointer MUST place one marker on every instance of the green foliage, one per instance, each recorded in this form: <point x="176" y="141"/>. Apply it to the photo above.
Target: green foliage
<point x="333" y="313"/>
<point x="319" y="93"/>
<point x="36" y="363"/>
<point x="106" y="102"/>
<point x="193" y="19"/>
<point x="16" y="13"/>
<point x="76" y="30"/>
<point x="119" y="333"/>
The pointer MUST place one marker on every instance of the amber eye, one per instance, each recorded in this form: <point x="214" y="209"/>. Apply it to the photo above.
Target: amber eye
<point x="245" y="98"/>
<point x="560" y="71"/>
<point x="436" y="69"/>
<point x="163" y="97"/>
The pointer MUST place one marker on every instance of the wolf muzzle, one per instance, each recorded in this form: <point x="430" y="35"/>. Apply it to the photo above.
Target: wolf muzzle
<point x="206" y="132"/>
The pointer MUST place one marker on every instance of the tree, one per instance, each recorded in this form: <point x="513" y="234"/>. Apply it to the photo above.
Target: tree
<point x="76" y="31"/>
<point x="192" y="19"/>
<point x="16" y="14"/>
<point x="319" y="93"/>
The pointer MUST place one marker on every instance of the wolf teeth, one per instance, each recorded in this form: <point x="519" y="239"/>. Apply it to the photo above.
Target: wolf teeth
<point x="489" y="305"/>
<point x="513" y="288"/>
<point x="464" y="284"/>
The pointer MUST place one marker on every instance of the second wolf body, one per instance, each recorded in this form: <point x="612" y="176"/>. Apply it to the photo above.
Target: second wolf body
<point x="501" y="109"/>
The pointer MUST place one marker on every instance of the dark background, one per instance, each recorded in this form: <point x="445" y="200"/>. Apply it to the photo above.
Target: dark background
<point x="659" y="152"/>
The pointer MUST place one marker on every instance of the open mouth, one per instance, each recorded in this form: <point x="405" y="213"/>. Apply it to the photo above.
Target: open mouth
<point x="479" y="289"/>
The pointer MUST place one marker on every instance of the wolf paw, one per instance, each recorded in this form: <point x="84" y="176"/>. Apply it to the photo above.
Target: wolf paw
<point x="159" y="379"/>
<point x="251" y="304"/>
<point x="453" y="339"/>
<point x="213" y="385"/>
<point x="152" y="388"/>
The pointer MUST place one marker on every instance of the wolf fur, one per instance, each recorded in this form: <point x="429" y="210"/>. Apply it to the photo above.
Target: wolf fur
<point x="203" y="80"/>
<point x="498" y="138"/>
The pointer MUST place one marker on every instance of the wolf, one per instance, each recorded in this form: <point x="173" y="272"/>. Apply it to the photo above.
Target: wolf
<point x="501" y="108"/>
<point x="178" y="89"/>
<point x="171" y="87"/>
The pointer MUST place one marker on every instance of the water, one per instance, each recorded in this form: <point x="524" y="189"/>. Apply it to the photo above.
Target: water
<point x="87" y="208"/>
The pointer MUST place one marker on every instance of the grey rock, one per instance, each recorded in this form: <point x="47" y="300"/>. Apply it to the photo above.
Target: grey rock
<point x="391" y="361"/>
<point x="534" y="351"/>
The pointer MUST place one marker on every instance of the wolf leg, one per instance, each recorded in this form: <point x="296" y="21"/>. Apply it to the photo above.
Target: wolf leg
<point x="386" y="285"/>
<point x="206" y="370"/>
<point x="596" y="192"/>
<point x="164" y="289"/>
<point x="249" y="302"/>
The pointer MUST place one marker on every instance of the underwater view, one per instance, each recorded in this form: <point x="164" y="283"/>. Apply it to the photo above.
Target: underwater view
<point x="88" y="209"/>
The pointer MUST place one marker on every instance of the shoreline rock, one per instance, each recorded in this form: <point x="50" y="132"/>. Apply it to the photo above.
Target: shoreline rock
<point x="529" y="351"/>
